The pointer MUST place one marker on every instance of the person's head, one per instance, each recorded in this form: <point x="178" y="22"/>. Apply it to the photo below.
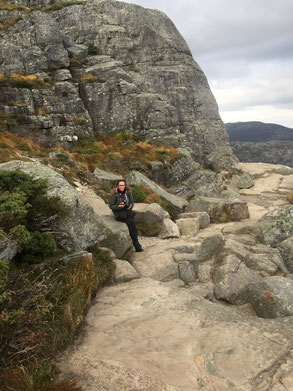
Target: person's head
<point x="121" y="185"/>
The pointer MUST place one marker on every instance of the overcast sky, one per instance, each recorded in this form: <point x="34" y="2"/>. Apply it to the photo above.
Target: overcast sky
<point x="245" y="48"/>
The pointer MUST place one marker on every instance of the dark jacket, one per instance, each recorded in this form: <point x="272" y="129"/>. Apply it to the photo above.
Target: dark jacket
<point x="115" y="199"/>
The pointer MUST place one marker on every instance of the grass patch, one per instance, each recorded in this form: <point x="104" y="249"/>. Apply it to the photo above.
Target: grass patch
<point x="5" y="6"/>
<point x="22" y="81"/>
<point x="10" y="120"/>
<point x="40" y="309"/>
<point x="10" y="23"/>
<point x="78" y="121"/>
<point x="85" y="79"/>
<point x="59" y="5"/>
<point x="119" y="151"/>
<point x="74" y="63"/>
<point x="12" y="145"/>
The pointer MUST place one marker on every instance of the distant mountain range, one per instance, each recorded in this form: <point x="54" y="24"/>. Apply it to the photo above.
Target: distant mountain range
<point x="260" y="142"/>
<point x="255" y="131"/>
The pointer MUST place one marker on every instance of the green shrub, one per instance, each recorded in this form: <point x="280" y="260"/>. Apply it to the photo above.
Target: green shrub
<point x="138" y="193"/>
<point x="92" y="49"/>
<point x="86" y="146"/>
<point x="25" y="210"/>
<point x="38" y="246"/>
<point x="13" y="209"/>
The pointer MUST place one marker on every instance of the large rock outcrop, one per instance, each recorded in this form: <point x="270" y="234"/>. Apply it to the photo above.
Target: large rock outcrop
<point x="82" y="227"/>
<point x="106" y="66"/>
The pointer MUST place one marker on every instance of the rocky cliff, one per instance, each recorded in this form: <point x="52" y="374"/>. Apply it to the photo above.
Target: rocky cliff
<point x="104" y="66"/>
<point x="276" y="152"/>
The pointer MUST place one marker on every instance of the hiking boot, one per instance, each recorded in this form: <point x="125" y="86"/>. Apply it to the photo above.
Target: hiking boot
<point x="137" y="247"/>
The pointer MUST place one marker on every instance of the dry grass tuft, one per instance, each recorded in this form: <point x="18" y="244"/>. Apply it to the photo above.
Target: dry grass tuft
<point x="89" y="79"/>
<point x="42" y="110"/>
<point x="10" y="23"/>
<point x="119" y="151"/>
<point x="5" y="6"/>
<point x="12" y="141"/>
<point x="289" y="198"/>
<point x="22" y="81"/>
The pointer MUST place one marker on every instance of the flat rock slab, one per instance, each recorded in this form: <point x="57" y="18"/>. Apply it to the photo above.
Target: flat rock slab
<point x="154" y="336"/>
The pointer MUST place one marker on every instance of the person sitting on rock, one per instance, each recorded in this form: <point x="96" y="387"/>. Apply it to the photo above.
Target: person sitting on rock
<point x="121" y="204"/>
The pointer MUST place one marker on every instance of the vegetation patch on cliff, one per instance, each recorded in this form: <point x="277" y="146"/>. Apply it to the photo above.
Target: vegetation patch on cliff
<point x="120" y="152"/>
<point x="60" y="4"/>
<point x="22" y="81"/>
<point x="5" y="6"/>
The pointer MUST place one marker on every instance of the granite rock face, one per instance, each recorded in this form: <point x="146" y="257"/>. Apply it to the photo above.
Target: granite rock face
<point x="276" y="225"/>
<point x="130" y="69"/>
<point x="271" y="297"/>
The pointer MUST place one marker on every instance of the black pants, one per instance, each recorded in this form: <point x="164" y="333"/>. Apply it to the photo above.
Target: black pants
<point x="127" y="216"/>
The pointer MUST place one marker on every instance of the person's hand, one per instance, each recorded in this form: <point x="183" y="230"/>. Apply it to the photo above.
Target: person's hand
<point x="121" y="206"/>
<point x="129" y="207"/>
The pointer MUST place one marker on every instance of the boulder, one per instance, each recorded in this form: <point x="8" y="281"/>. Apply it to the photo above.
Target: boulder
<point x="271" y="297"/>
<point x="188" y="226"/>
<point x="233" y="246"/>
<point x="265" y="258"/>
<point x="245" y="181"/>
<point x="105" y="176"/>
<point x="204" y="271"/>
<point x="169" y="229"/>
<point x="149" y="218"/>
<point x="62" y="75"/>
<point x="158" y="265"/>
<point x="204" y="218"/>
<point x="124" y="271"/>
<point x="186" y="271"/>
<point x="231" y="278"/>
<point x="276" y="226"/>
<point x="117" y="238"/>
<point x="286" y="249"/>
<point x="219" y="209"/>
<point x="236" y="210"/>
<point x="211" y="205"/>
<point x="82" y="227"/>
<point x="261" y="263"/>
<point x="135" y="178"/>
<point x="210" y="245"/>
<point x="78" y="52"/>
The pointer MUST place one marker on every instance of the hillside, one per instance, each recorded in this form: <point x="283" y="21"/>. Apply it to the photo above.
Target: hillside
<point x="256" y="131"/>
<point x="256" y="141"/>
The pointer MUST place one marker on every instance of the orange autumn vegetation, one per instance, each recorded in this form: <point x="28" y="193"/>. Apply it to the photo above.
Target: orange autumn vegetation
<point x="105" y="148"/>
<point x="22" y="81"/>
